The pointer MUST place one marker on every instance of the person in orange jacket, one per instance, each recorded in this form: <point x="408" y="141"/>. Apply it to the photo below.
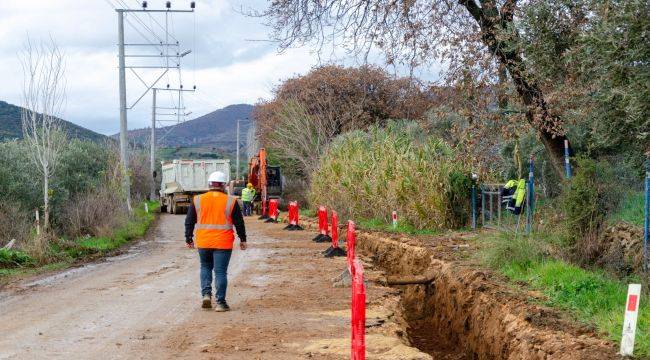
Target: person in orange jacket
<point x="212" y="217"/>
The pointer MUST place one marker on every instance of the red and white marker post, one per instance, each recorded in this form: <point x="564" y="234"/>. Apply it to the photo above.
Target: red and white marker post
<point x="631" y="315"/>
<point x="394" y="219"/>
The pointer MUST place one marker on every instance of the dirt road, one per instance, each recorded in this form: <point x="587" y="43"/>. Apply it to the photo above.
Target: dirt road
<point x="144" y="304"/>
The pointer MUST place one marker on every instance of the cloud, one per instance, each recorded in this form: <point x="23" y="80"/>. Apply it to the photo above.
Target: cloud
<point x="229" y="64"/>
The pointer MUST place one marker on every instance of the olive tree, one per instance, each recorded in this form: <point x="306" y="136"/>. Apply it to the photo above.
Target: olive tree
<point x="477" y="40"/>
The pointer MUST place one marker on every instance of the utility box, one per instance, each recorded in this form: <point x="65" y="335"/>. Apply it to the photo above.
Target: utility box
<point x="182" y="179"/>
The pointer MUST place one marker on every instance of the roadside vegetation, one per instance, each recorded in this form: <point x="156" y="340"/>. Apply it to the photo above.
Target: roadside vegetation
<point x="88" y="217"/>
<point x="592" y="296"/>
<point x="369" y="174"/>
<point x="63" y="252"/>
<point x="513" y="90"/>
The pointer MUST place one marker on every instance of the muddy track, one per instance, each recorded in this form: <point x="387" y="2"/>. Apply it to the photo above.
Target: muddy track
<point x="144" y="304"/>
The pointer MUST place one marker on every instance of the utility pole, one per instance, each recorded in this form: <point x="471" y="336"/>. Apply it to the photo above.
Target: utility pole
<point x="122" y="82"/>
<point x="126" y="182"/>
<point x="152" y="156"/>
<point x="237" y="172"/>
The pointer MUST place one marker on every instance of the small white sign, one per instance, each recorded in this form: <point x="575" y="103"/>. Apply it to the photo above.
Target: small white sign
<point x="631" y="315"/>
<point x="146" y="208"/>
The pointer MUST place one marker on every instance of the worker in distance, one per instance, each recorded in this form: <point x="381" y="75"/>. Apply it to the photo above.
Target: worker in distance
<point x="247" y="197"/>
<point x="212" y="217"/>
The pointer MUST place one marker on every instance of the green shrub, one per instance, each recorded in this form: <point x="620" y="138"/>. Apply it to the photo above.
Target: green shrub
<point x="368" y="174"/>
<point x="587" y="198"/>
<point x="458" y="196"/>
<point x="14" y="258"/>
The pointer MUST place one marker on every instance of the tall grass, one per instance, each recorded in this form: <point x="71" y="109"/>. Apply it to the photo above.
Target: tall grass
<point x="368" y="174"/>
<point x="591" y="296"/>
<point x="630" y="209"/>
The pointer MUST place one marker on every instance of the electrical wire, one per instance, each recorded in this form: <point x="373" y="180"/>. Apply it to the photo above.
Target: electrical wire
<point x="163" y="49"/>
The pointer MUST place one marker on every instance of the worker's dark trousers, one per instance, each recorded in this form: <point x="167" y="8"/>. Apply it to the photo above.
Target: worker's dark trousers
<point x="248" y="208"/>
<point x="214" y="260"/>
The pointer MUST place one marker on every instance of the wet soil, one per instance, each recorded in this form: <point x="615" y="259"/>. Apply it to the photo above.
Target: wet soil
<point x="145" y="304"/>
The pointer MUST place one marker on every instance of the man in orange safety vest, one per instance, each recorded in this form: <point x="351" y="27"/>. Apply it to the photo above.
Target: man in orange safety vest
<point x="211" y="217"/>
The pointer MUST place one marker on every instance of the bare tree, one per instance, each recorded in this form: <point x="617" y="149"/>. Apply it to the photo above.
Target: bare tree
<point x="43" y="98"/>
<point x="301" y="137"/>
<point x="473" y="37"/>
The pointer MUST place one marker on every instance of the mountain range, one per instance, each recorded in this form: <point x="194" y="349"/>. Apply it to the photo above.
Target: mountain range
<point x="11" y="126"/>
<point x="217" y="129"/>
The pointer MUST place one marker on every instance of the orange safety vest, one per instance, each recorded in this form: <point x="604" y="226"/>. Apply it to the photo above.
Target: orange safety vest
<point x="214" y="229"/>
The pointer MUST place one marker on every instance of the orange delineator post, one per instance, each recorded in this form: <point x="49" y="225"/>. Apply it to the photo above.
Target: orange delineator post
<point x="273" y="210"/>
<point x="294" y="214"/>
<point x="358" y="313"/>
<point x="334" y="249"/>
<point x="322" y="226"/>
<point x="335" y="229"/>
<point x="351" y="240"/>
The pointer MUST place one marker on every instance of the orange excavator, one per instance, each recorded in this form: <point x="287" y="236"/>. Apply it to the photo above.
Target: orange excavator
<point x="267" y="181"/>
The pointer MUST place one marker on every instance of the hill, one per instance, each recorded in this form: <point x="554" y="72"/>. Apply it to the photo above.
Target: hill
<point x="217" y="129"/>
<point x="11" y="127"/>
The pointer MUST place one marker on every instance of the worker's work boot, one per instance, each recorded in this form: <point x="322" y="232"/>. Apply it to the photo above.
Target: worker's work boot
<point x="206" y="303"/>
<point x="222" y="306"/>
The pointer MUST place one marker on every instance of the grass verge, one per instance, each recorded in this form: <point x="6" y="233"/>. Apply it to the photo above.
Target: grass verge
<point x="592" y="297"/>
<point x="134" y="228"/>
<point x="402" y="227"/>
<point x="631" y="209"/>
<point x="16" y="263"/>
<point x="307" y="213"/>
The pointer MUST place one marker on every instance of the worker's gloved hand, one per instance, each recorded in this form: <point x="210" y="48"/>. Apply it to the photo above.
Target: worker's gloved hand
<point x="190" y="243"/>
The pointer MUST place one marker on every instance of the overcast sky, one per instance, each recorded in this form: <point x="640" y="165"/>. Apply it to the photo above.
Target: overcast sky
<point x="230" y="63"/>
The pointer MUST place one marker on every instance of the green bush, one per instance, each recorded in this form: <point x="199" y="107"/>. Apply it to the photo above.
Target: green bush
<point x="458" y="196"/>
<point x="14" y="258"/>
<point x="587" y="198"/>
<point x="368" y="174"/>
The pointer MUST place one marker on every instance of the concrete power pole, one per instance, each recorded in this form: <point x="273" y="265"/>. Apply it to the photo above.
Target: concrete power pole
<point x="163" y="53"/>
<point x="237" y="171"/>
<point x="123" y="125"/>
<point x="152" y="156"/>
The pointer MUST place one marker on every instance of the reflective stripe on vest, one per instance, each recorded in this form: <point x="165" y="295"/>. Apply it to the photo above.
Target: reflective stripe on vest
<point x="214" y="228"/>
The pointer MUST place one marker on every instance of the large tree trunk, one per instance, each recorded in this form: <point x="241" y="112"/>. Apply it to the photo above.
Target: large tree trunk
<point x="501" y="38"/>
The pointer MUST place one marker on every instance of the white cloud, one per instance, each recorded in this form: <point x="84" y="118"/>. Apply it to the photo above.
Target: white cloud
<point x="229" y="67"/>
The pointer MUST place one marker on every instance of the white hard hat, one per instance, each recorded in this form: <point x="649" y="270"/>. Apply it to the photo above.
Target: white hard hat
<point x="217" y="176"/>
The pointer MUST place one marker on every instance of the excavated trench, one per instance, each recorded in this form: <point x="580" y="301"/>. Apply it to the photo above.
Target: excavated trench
<point x="460" y="312"/>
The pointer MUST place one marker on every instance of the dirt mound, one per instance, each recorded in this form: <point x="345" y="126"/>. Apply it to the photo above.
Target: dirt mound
<point x="620" y="249"/>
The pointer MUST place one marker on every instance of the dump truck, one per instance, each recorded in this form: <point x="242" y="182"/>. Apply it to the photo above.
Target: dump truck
<point x="182" y="179"/>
